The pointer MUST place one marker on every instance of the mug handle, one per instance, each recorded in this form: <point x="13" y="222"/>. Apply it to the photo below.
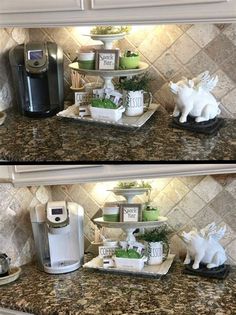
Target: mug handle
<point x="166" y="248"/>
<point x="150" y="97"/>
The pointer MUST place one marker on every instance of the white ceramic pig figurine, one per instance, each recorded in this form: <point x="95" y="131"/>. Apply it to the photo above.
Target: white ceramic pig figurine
<point x="193" y="97"/>
<point x="203" y="246"/>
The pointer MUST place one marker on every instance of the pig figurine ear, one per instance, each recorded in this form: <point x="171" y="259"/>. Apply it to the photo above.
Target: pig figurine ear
<point x="190" y="83"/>
<point x="173" y="87"/>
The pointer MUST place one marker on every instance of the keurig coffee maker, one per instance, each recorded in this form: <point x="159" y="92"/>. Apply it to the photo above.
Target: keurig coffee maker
<point x="58" y="235"/>
<point x="38" y="76"/>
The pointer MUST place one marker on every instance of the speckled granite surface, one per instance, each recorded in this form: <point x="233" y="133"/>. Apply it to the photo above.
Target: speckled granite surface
<point x="59" y="139"/>
<point x="86" y="292"/>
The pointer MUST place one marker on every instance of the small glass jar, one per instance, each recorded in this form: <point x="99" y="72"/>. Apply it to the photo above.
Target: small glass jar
<point x="4" y="265"/>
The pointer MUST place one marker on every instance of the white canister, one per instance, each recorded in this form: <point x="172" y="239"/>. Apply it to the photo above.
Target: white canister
<point x="85" y="56"/>
<point x="111" y="212"/>
<point x="155" y="253"/>
<point x="134" y="102"/>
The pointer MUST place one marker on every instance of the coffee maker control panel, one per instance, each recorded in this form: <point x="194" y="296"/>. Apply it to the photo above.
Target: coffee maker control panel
<point x="36" y="58"/>
<point x="57" y="214"/>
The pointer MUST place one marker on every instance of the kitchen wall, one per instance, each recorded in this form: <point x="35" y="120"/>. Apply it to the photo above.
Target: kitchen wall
<point x="16" y="238"/>
<point x="186" y="201"/>
<point x="9" y="37"/>
<point x="172" y="51"/>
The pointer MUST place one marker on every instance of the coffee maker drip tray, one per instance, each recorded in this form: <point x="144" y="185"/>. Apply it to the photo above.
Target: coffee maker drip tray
<point x="62" y="266"/>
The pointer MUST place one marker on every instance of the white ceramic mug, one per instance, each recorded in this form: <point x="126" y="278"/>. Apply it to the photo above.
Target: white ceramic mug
<point x="155" y="252"/>
<point x="134" y="102"/>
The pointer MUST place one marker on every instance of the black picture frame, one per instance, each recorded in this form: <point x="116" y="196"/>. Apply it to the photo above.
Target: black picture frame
<point x="107" y="59"/>
<point x="131" y="212"/>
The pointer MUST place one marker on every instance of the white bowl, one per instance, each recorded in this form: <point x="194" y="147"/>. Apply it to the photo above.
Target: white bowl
<point x="85" y="56"/>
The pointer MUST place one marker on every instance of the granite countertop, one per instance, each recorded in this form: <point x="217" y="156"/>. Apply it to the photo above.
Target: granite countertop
<point x="60" y="139"/>
<point x="89" y="292"/>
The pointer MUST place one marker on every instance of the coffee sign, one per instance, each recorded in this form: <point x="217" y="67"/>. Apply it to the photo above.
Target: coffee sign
<point x="130" y="212"/>
<point x="106" y="251"/>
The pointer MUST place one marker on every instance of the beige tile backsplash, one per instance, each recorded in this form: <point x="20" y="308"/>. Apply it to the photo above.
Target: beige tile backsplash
<point x="186" y="201"/>
<point x="9" y="37"/>
<point x="172" y="51"/>
<point x="16" y="238"/>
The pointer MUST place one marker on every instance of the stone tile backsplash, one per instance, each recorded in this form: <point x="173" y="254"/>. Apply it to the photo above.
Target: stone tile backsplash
<point x="187" y="202"/>
<point x="172" y="51"/>
<point x="9" y="37"/>
<point x="16" y="238"/>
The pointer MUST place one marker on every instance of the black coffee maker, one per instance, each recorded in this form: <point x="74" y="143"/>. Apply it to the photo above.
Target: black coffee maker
<point x="38" y="77"/>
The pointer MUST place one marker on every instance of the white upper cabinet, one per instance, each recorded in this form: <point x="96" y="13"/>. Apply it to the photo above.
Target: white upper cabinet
<point x="31" y="6"/>
<point x="120" y="4"/>
<point x="27" y="175"/>
<point x="5" y="175"/>
<point x="43" y="13"/>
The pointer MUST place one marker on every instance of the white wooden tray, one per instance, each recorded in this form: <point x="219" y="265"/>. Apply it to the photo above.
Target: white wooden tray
<point x="125" y="121"/>
<point x="152" y="270"/>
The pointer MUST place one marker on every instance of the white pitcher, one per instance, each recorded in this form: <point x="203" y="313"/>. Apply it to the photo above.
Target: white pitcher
<point x="134" y="102"/>
<point x="155" y="252"/>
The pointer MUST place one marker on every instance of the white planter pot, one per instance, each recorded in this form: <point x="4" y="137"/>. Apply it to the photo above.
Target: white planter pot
<point x="130" y="263"/>
<point x="134" y="102"/>
<point x="106" y="113"/>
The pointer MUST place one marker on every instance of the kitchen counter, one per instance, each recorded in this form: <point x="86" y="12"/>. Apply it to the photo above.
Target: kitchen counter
<point x="59" y="139"/>
<point x="87" y="292"/>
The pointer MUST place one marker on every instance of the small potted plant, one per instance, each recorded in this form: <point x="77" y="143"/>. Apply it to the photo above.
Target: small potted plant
<point x="105" y="109"/>
<point x="157" y="244"/>
<point x="129" y="60"/>
<point x="133" y="94"/>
